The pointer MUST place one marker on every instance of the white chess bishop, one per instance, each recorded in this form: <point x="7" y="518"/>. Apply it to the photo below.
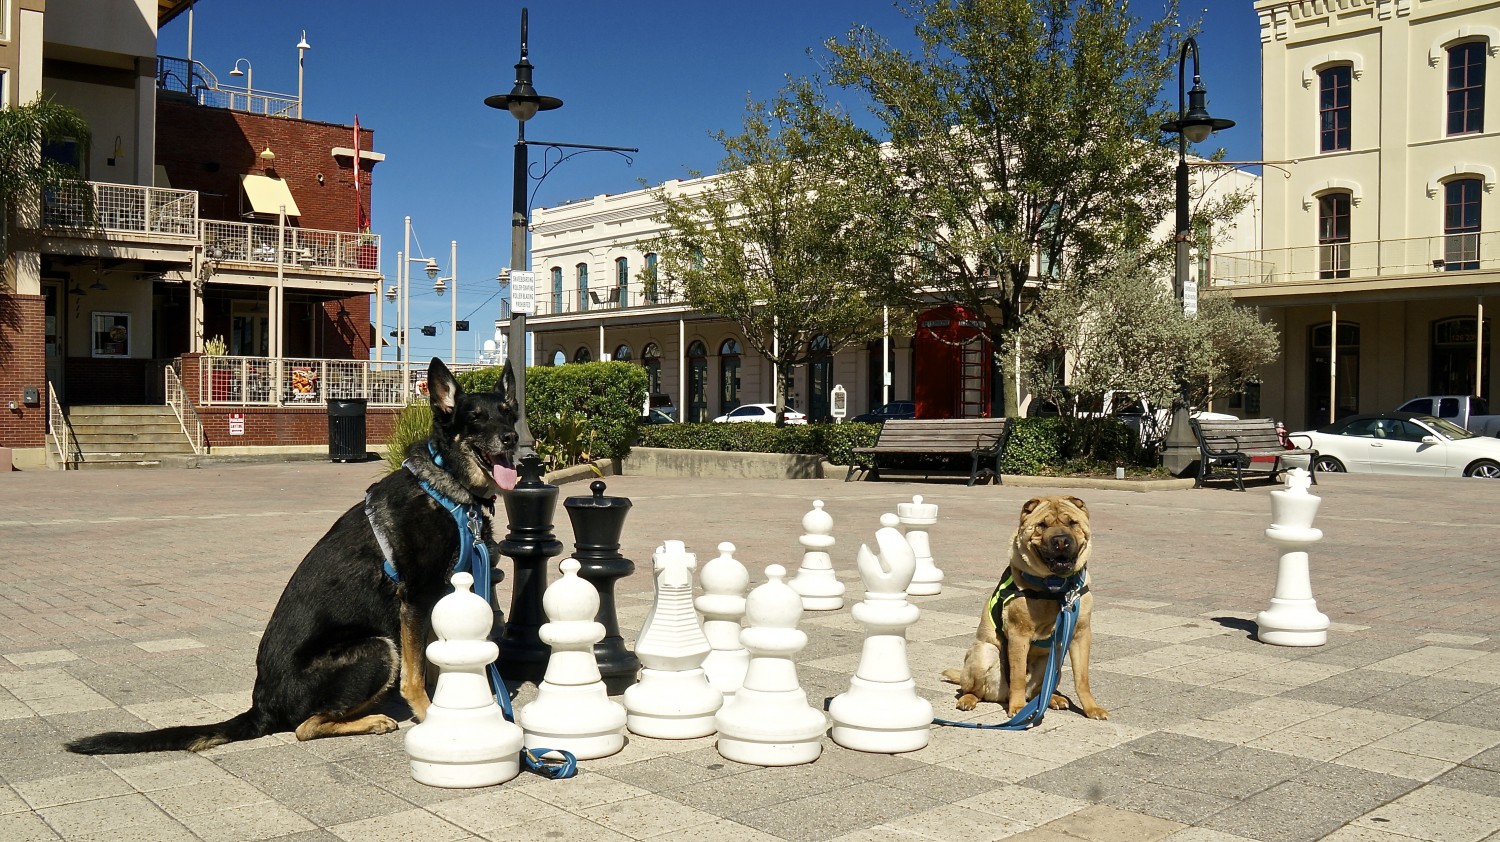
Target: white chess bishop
<point x="815" y="580"/>
<point x="465" y="740"/>
<point x="572" y="710"/>
<point x="881" y="712"/>
<point x="770" y="723"/>
<point x="673" y="700"/>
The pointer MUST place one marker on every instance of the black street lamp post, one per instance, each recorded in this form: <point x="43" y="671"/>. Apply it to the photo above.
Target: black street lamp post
<point x="1193" y="123"/>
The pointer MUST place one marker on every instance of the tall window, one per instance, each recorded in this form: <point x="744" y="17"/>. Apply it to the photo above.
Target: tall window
<point x="1461" y="224"/>
<point x="697" y="383"/>
<point x="557" y="294"/>
<point x="1333" y="235"/>
<point x="1466" y="88"/>
<point x="651" y="360"/>
<point x="1322" y="393"/>
<point x="582" y="271"/>
<point x="622" y="354"/>
<point x="622" y="280"/>
<point x="819" y="378"/>
<point x="582" y="355"/>
<point x="1333" y="108"/>
<point x="1455" y="346"/>
<point x="651" y="278"/>
<point x="729" y="376"/>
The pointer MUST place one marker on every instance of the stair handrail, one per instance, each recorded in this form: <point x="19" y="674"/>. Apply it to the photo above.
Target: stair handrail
<point x="60" y="432"/>
<point x="187" y="416"/>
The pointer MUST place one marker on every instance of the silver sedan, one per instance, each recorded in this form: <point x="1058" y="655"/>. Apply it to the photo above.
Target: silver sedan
<point x="1403" y="443"/>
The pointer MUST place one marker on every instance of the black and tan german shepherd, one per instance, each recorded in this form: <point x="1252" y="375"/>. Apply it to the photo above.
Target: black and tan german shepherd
<point x="344" y="632"/>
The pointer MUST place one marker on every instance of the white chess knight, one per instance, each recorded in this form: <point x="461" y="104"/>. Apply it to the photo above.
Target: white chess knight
<point x="673" y="700"/>
<point x="770" y="723"/>
<point x="1293" y="618"/>
<point x="465" y="740"/>
<point x="917" y="518"/>
<point x="725" y="581"/>
<point x="815" y="580"/>
<point x="881" y="712"/>
<point x="572" y="710"/>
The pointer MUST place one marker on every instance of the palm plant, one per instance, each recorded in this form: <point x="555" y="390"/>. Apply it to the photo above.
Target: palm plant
<point x="25" y="173"/>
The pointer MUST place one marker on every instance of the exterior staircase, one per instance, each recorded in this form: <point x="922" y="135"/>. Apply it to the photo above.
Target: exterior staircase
<point x="129" y="437"/>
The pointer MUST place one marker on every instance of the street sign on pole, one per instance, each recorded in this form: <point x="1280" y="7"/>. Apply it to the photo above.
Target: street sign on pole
<point x="522" y="292"/>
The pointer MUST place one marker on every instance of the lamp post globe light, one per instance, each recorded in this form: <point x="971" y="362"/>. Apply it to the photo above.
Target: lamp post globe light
<point x="1193" y="123"/>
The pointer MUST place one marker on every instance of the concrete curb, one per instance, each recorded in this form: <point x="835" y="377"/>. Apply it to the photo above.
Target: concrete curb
<point x="1020" y="481"/>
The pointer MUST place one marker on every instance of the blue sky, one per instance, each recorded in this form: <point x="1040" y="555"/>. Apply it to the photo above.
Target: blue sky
<point x="660" y="75"/>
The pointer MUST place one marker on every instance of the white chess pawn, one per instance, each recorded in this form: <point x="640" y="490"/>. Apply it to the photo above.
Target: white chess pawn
<point x="725" y="581"/>
<point x="815" y="581"/>
<point x="770" y="723"/>
<point x="881" y="712"/>
<point x="465" y="740"/>
<point x="572" y="710"/>
<point x="916" y="518"/>
<point x="673" y="700"/>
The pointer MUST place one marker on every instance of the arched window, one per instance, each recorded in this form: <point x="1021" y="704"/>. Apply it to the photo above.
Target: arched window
<point x="651" y="359"/>
<point x="1461" y="214"/>
<point x="1334" y="105"/>
<point x="1455" y="345"/>
<point x="729" y="375"/>
<point x="651" y="279"/>
<point x="1333" y="235"/>
<point x="697" y="383"/>
<point x="582" y="271"/>
<point x="622" y="354"/>
<point x="559" y="357"/>
<point x="1320" y="386"/>
<point x="819" y="379"/>
<point x="557" y="292"/>
<point x="622" y="280"/>
<point x="582" y="355"/>
<point x="1466" y="88"/>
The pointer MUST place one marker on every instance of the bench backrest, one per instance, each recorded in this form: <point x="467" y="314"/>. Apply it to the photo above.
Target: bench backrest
<point x="927" y="431"/>
<point x="1240" y="434"/>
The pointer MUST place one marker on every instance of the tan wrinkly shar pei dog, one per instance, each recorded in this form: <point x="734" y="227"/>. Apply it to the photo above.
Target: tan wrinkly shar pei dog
<point x="1048" y="556"/>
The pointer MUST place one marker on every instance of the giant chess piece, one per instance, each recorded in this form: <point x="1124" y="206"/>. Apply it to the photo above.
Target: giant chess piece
<point x="573" y="711"/>
<point x="597" y="524"/>
<point x="673" y="700"/>
<point x="722" y="604"/>
<point x="881" y="712"/>
<point x="916" y="519"/>
<point x="770" y="723"/>
<point x="529" y="507"/>
<point x="465" y="740"/>
<point x="1293" y="618"/>
<point x="815" y="582"/>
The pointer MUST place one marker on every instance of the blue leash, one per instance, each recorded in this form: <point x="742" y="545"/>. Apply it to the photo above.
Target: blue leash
<point x="474" y="557"/>
<point x="1031" y="715"/>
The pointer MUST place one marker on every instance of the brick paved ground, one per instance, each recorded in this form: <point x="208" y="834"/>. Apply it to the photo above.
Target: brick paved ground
<point x="135" y="598"/>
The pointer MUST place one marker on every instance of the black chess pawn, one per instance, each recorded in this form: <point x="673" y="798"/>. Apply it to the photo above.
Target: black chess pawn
<point x="598" y="522"/>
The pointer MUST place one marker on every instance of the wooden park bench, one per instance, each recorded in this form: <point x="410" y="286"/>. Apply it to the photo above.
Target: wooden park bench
<point x="982" y="439"/>
<point x="1237" y="443"/>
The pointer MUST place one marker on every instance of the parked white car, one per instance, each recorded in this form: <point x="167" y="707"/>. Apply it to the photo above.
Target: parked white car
<point x="1403" y="443"/>
<point x="759" y="412"/>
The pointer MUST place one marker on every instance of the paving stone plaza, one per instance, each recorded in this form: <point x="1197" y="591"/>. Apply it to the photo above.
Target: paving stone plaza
<point x="135" y="599"/>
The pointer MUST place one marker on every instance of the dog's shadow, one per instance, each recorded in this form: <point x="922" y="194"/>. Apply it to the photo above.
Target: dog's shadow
<point x="1249" y="627"/>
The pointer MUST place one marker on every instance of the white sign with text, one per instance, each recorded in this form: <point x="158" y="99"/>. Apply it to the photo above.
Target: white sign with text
<point x="522" y="292"/>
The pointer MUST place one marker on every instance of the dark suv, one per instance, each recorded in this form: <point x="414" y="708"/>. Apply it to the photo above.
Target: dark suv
<point x="894" y="409"/>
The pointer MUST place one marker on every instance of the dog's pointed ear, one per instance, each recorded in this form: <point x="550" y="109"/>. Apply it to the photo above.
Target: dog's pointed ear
<point x="1079" y="503"/>
<point x="1031" y="506"/>
<point x="505" y="387"/>
<point x="442" y="389"/>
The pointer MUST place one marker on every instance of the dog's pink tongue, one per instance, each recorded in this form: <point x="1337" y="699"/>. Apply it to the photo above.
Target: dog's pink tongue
<point x="505" y="476"/>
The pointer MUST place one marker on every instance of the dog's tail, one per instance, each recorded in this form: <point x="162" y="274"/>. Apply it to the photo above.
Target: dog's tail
<point x="953" y="676"/>
<point x="246" y="726"/>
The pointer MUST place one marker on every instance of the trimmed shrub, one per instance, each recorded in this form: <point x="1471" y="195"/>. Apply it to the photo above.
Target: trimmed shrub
<point x="1054" y="445"/>
<point x="609" y="395"/>
<point x="835" y="442"/>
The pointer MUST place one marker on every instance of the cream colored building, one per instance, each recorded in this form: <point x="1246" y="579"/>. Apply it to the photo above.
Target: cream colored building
<point x="592" y="304"/>
<point x="1382" y="241"/>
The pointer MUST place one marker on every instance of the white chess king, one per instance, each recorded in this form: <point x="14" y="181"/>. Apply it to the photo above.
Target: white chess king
<point x="1293" y="618"/>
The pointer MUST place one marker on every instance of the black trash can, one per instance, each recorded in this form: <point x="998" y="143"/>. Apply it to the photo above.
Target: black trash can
<point x="346" y="429"/>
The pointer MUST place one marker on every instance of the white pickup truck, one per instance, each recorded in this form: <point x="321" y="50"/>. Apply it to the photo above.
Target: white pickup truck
<point x="1468" y="411"/>
<point x="1149" y="422"/>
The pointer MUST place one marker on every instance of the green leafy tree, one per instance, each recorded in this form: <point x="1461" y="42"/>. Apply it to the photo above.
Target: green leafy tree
<point x="784" y="242"/>
<point x="25" y="173"/>
<point x="1023" y="133"/>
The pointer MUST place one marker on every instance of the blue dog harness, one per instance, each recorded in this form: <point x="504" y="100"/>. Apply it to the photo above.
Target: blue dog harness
<point x="474" y="557"/>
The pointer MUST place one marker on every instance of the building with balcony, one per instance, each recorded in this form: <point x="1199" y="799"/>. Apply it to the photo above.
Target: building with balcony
<point x="217" y="212"/>
<point x="1382" y="243"/>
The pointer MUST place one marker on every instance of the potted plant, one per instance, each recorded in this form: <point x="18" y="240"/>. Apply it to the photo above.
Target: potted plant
<point x="218" y="389"/>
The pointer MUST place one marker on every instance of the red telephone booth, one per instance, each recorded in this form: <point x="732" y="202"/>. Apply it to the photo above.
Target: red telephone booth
<point x="952" y="362"/>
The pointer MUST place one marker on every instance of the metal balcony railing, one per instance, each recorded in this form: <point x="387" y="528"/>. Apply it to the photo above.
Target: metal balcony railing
<point x="267" y="381"/>
<point x="550" y="303"/>
<point x="1479" y="251"/>
<point x="129" y="208"/>
<point x="255" y="243"/>
<point x="197" y="81"/>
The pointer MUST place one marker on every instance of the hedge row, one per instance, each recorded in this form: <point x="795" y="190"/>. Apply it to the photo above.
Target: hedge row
<point x="835" y="442"/>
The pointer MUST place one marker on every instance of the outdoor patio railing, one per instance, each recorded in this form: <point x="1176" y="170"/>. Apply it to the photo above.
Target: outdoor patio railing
<point x="265" y="381"/>
<point x="249" y="242"/>
<point x="1371" y="259"/>
<point x="132" y="208"/>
